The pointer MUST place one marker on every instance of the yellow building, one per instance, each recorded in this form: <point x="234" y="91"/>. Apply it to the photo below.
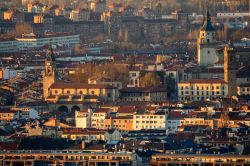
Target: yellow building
<point x="38" y="19"/>
<point x="81" y="92"/>
<point x="120" y="123"/>
<point x="196" y="90"/>
<point x="36" y="7"/>
<point x="7" y="15"/>
<point x="53" y="122"/>
<point x="98" y="118"/>
<point x="8" y="115"/>
<point x="55" y="91"/>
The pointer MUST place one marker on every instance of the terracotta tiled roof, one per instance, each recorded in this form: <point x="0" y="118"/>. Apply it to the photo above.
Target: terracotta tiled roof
<point x="8" y="111"/>
<point x="86" y="131"/>
<point x="102" y="110"/>
<point x="144" y="89"/>
<point x="79" y="85"/>
<point x="205" y="81"/>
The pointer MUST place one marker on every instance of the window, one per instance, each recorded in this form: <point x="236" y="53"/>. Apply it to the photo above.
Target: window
<point x="208" y="51"/>
<point x="109" y="95"/>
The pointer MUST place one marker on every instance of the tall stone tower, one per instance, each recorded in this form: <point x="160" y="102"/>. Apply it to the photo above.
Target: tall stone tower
<point x="230" y="68"/>
<point x="49" y="76"/>
<point x="206" y="44"/>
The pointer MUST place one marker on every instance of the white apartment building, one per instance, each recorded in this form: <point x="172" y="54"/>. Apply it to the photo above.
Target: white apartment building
<point x="10" y="45"/>
<point x="173" y="125"/>
<point x="7" y="73"/>
<point x="98" y="118"/>
<point x="232" y="14"/>
<point x="83" y="118"/>
<point x="196" y="90"/>
<point x="149" y="121"/>
<point x="134" y="76"/>
<point x="27" y="113"/>
<point x="31" y="41"/>
<point x="243" y="89"/>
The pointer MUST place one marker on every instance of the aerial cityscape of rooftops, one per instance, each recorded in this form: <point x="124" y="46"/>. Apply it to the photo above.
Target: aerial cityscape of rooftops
<point x="124" y="82"/>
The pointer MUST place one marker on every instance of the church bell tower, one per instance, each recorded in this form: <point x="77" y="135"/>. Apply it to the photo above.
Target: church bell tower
<point x="230" y="69"/>
<point x="206" y="44"/>
<point x="49" y="76"/>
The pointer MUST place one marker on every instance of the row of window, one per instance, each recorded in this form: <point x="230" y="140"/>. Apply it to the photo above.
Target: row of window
<point x="204" y="93"/>
<point x="148" y="122"/>
<point x="245" y="89"/>
<point x="80" y="92"/>
<point x="202" y="87"/>
<point x="149" y="117"/>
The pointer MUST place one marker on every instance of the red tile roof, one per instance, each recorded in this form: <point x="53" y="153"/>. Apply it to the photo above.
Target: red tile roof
<point x="60" y="85"/>
<point x="102" y="110"/>
<point x="205" y="81"/>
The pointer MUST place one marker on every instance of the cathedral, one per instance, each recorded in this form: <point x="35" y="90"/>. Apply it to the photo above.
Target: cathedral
<point x="71" y="95"/>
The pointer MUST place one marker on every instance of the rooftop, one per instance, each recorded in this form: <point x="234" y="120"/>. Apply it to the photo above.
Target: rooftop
<point x="60" y="85"/>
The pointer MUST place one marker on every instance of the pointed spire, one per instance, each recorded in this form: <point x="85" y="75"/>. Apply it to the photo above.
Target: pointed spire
<point x="208" y="24"/>
<point x="208" y="16"/>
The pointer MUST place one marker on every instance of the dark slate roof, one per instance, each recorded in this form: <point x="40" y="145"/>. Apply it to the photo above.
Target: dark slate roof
<point x="243" y="72"/>
<point x="208" y="24"/>
<point x="44" y="143"/>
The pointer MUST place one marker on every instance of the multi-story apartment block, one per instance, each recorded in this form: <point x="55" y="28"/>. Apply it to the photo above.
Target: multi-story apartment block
<point x="134" y="78"/>
<point x="174" y="124"/>
<point x="80" y="15"/>
<point x="202" y="89"/>
<point x="36" y="7"/>
<point x="149" y="121"/>
<point x="154" y="30"/>
<point x="31" y="41"/>
<point x="83" y="118"/>
<point x="9" y="45"/>
<point x="121" y="123"/>
<point x="98" y="118"/>
<point x="112" y="23"/>
<point x="243" y="89"/>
